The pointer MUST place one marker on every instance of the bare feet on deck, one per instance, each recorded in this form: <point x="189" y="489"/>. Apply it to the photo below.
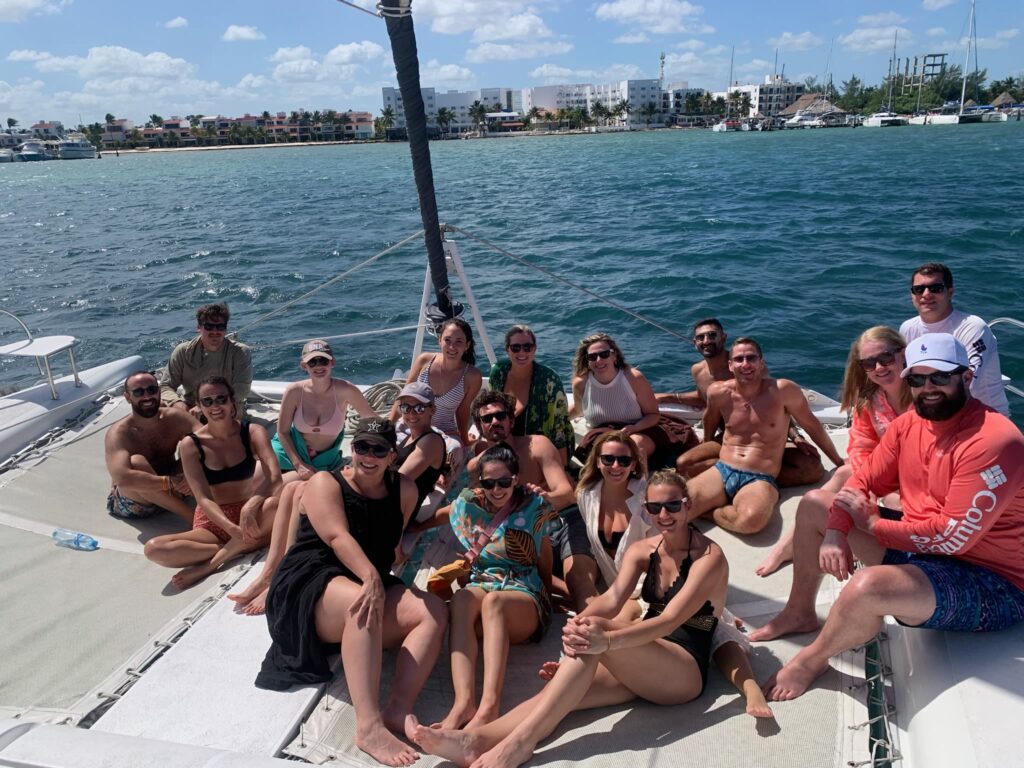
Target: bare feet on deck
<point x="253" y="599"/>
<point x="460" y="747"/>
<point x="756" y="704"/>
<point x="781" y="554"/>
<point x="512" y="751"/>
<point x="395" y="718"/>
<point x="457" y="716"/>
<point x="786" y="622"/>
<point x="483" y="716"/>
<point x="186" y="577"/>
<point x="382" y="745"/>
<point x="792" y="680"/>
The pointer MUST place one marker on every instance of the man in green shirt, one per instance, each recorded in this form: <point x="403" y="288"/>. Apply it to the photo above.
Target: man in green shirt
<point x="211" y="353"/>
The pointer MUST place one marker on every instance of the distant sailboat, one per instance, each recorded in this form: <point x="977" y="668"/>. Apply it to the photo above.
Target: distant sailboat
<point x="727" y="123"/>
<point x="886" y="118"/>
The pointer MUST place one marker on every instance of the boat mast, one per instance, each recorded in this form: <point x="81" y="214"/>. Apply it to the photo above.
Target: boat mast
<point x="398" y="17"/>
<point x="967" y="59"/>
<point x="892" y="79"/>
<point x="728" y="93"/>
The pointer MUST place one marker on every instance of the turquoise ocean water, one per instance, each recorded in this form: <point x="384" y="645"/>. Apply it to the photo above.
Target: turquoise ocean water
<point x="800" y="238"/>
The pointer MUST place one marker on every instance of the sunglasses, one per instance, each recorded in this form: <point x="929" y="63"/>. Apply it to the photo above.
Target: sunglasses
<point x="885" y="360"/>
<point x="527" y="347"/>
<point x="207" y="402"/>
<point x="751" y="358"/>
<point x="215" y="326"/>
<point x="417" y="408"/>
<point x="610" y="459"/>
<point x="604" y="354"/>
<point x="364" y="448"/>
<point x="672" y="507"/>
<point x="487" y="418"/>
<point x="318" y="362"/>
<point x="938" y="379"/>
<point x="151" y="389"/>
<point x="918" y="290"/>
<point x="710" y="336"/>
<point x="490" y="483"/>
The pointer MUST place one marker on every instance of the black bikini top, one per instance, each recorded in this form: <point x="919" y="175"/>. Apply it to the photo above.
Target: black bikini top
<point x="649" y="589"/>
<point x="610" y="545"/>
<point x="243" y="470"/>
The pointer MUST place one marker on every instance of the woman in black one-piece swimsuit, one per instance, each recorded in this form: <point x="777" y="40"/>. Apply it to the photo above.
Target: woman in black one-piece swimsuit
<point x="334" y="586"/>
<point x="662" y="659"/>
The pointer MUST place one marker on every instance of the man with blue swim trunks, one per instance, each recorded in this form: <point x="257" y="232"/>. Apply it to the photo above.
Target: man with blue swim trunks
<point x="740" y="491"/>
<point x="954" y="561"/>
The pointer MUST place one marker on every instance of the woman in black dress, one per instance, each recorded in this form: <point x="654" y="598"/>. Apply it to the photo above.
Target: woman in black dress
<point x="335" y="586"/>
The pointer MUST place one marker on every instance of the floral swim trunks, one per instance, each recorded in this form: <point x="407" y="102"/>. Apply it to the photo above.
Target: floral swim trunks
<point x="122" y="507"/>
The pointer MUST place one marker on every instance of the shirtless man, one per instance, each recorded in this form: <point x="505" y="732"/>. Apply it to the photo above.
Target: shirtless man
<point x="540" y="465"/>
<point x="140" y="450"/>
<point x="801" y="464"/>
<point x="741" y="490"/>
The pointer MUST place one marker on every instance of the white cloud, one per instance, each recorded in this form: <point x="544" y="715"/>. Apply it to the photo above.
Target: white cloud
<point x="882" y="19"/>
<point x="552" y="74"/>
<point x="454" y="17"/>
<point x="874" y="39"/>
<point x="25" y="55"/>
<point x="353" y="53"/>
<point x="994" y="43"/>
<point x="109" y="61"/>
<point x="19" y="10"/>
<point x="704" y="70"/>
<point x="177" y="22"/>
<point x="934" y="5"/>
<point x="512" y="52"/>
<point x="657" y="16"/>
<point x="292" y="54"/>
<point x="251" y="82"/>
<point x="754" y="66"/>
<point x="522" y="26"/>
<point x="448" y="75"/>
<point x="936" y="32"/>
<point x="343" y="62"/>
<point x="631" y="39"/>
<point x="237" y="32"/>
<point x="692" y="44"/>
<point x="792" y="41"/>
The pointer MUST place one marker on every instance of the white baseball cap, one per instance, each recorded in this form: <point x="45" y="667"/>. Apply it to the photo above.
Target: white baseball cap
<point x="940" y="351"/>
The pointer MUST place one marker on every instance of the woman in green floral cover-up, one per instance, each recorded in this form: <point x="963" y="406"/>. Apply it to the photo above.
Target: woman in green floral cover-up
<point x="542" y="407"/>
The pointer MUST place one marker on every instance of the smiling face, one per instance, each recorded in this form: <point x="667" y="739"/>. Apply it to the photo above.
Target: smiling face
<point x="939" y="403"/>
<point x="212" y="332"/>
<point x="614" y="472"/>
<point x="453" y="342"/>
<point x="601" y="359"/>
<point x="526" y="347"/>
<point x="936" y="302"/>
<point x="497" y="471"/>
<point x="142" y="391"/>
<point x="319" y="367"/>
<point x="666" y="493"/>
<point x="215" y="402"/>
<point x="709" y="340"/>
<point x="408" y="407"/>
<point x="745" y="362"/>
<point x="882" y="374"/>
<point x="494" y="422"/>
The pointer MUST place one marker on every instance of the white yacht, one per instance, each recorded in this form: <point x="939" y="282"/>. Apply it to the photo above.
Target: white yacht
<point x="32" y="151"/>
<point x="75" y="146"/>
<point x="805" y="119"/>
<point x="885" y="119"/>
<point x="6" y="155"/>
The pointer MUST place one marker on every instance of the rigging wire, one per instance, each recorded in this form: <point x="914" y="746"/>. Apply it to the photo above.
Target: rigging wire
<point x="360" y="8"/>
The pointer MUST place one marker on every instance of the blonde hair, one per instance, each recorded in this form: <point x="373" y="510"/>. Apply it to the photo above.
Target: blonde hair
<point x="580" y="364"/>
<point x="858" y="389"/>
<point x="669" y="477"/>
<point x="591" y="473"/>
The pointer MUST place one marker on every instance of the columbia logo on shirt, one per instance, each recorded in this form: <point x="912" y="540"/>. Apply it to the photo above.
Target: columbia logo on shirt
<point x="993" y="476"/>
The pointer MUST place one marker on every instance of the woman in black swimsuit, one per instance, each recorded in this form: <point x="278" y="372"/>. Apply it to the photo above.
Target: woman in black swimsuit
<point x="334" y="586"/>
<point x="606" y="661"/>
<point x="219" y="462"/>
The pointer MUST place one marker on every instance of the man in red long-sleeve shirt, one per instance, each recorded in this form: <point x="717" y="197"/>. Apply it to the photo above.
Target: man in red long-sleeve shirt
<point x="954" y="561"/>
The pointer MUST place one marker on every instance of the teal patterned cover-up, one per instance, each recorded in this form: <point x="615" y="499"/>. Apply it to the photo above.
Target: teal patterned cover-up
<point x="510" y="559"/>
<point x="547" y="407"/>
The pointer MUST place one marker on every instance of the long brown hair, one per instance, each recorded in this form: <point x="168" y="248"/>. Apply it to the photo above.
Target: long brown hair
<point x="591" y="472"/>
<point x="579" y="361"/>
<point x="858" y="389"/>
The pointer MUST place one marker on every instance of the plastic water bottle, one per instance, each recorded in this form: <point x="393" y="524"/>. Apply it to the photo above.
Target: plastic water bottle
<point x="74" y="540"/>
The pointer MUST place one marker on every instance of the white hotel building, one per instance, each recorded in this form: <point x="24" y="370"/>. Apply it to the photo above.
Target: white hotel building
<point x="768" y="98"/>
<point x="509" y="99"/>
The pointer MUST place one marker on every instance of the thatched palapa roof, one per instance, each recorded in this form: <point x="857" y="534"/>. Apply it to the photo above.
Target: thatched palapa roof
<point x="814" y="103"/>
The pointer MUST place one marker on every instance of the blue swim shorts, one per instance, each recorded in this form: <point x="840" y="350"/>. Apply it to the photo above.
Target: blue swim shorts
<point x="733" y="479"/>
<point x="968" y="598"/>
<point x="129" y="509"/>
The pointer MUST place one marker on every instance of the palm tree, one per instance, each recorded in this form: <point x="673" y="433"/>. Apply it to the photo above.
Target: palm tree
<point x="344" y="120"/>
<point x="11" y="123"/>
<point x="387" y="119"/>
<point x="478" y="114"/>
<point x="745" y="104"/>
<point x="647" y="112"/>
<point x="445" y="117"/>
<point x="623" y="109"/>
<point x="109" y="118"/>
<point x="156" y="120"/>
<point x="599" y="111"/>
<point x="692" y="103"/>
<point x="135" y="137"/>
<point x="706" y="102"/>
<point x="533" y="116"/>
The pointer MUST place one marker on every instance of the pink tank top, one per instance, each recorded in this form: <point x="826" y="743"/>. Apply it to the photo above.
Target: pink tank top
<point x="333" y="426"/>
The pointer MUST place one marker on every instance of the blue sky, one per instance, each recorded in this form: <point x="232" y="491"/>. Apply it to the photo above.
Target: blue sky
<point x="61" y="59"/>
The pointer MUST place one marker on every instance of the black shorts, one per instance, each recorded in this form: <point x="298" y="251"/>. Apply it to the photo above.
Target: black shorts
<point x="570" y="540"/>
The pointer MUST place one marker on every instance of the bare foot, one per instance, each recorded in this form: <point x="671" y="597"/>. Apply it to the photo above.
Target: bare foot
<point x="786" y="622"/>
<point x="781" y="554"/>
<point x="792" y="680"/>
<point x="380" y="744"/>
<point x="461" y="747"/>
<point x="258" y="588"/>
<point x="186" y="577"/>
<point x="756" y="704"/>
<point x="508" y="753"/>
<point x="258" y="606"/>
<point x="547" y="670"/>
<point x="483" y="716"/>
<point x="457" y="717"/>
<point x="395" y="718"/>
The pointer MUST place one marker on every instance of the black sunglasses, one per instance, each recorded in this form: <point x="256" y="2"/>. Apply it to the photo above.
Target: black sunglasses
<point x="215" y="326"/>
<point x="526" y="347"/>
<point x="608" y="459"/>
<point x="604" y="354"/>
<point x="490" y="483"/>
<point x="938" y="379"/>
<point x="364" y="448"/>
<point x="918" y="290"/>
<point x="318" y="362"/>
<point x="417" y="408"/>
<point x="487" y="418"/>
<point x="207" y="402"/>
<point x="884" y="359"/>
<point x="710" y="336"/>
<point x="150" y="389"/>
<point x="672" y="507"/>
